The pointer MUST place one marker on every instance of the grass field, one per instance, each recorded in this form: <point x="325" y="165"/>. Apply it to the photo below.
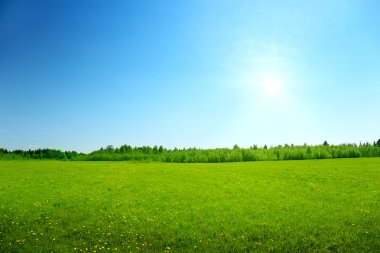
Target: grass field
<point x="295" y="206"/>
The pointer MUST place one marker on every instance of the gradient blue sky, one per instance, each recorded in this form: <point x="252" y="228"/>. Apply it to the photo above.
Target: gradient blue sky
<point x="79" y="75"/>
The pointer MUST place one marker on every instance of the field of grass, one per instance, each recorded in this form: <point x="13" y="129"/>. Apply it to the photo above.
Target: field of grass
<point x="295" y="206"/>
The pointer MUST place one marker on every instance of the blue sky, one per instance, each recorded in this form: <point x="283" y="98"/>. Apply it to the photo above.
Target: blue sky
<point x="79" y="75"/>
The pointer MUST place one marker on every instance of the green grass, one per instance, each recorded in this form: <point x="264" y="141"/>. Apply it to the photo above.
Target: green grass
<point x="295" y="206"/>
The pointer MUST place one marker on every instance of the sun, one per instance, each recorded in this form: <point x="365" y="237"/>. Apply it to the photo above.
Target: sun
<point x="272" y="86"/>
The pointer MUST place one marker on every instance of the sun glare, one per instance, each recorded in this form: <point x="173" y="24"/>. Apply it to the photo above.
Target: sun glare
<point x="271" y="86"/>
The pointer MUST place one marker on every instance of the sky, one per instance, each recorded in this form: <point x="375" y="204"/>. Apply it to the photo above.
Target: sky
<point x="80" y="75"/>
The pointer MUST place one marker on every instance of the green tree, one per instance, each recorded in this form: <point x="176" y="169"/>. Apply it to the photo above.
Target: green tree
<point x="109" y="148"/>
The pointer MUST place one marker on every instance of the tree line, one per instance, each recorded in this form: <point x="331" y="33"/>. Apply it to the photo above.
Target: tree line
<point x="52" y="154"/>
<point x="196" y="155"/>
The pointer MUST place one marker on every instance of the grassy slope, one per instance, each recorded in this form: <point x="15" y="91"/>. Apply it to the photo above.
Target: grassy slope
<point x="325" y="205"/>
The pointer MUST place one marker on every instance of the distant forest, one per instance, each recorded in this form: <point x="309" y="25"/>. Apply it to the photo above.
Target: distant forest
<point x="195" y="155"/>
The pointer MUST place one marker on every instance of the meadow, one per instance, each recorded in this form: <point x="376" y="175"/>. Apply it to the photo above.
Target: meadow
<point x="276" y="206"/>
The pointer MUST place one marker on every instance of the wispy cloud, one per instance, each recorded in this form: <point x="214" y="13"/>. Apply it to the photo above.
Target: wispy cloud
<point x="34" y="146"/>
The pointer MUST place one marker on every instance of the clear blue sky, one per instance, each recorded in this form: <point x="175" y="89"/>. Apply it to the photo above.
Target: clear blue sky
<point x="79" y="75"/>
